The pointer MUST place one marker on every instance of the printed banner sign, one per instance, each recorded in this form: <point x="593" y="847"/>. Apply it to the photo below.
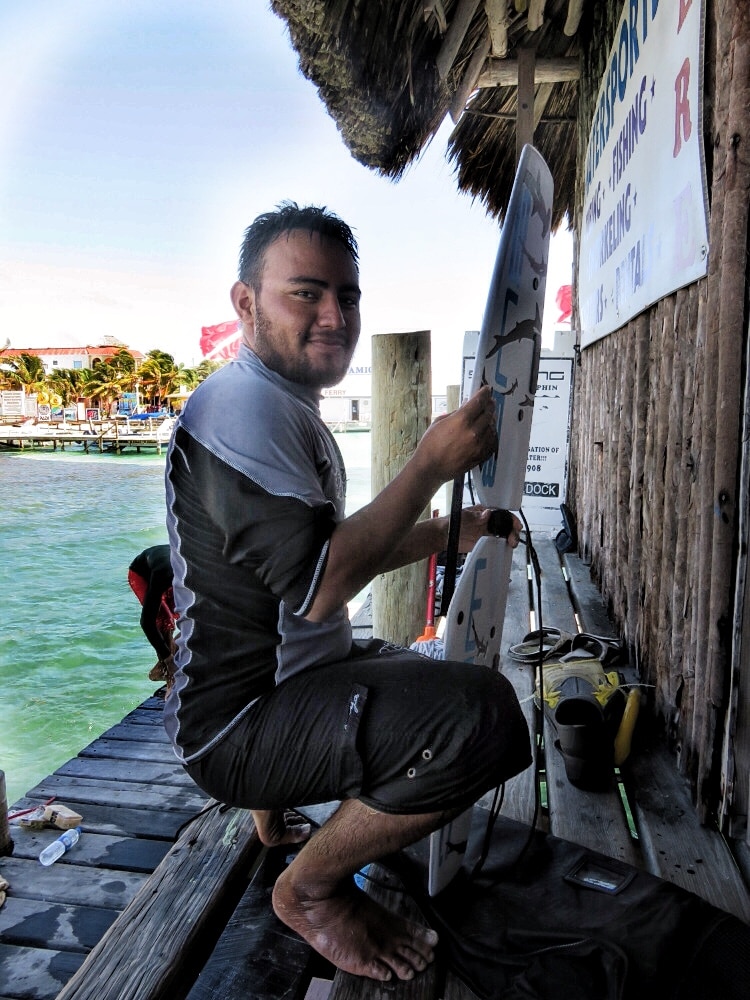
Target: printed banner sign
<point x="546" y="479"/>
<point x="471" y="340"/>
<point x="644" y="231"/>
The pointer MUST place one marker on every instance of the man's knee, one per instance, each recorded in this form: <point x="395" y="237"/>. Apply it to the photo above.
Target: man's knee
<point x="503" y="725"/>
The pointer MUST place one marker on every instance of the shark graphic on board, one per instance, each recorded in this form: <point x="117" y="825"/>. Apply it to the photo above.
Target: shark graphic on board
<point x="533" y="185"/>
<point x="527" y="329"/>
<point x="539" y="267"/>
<point x="481" y="644"/>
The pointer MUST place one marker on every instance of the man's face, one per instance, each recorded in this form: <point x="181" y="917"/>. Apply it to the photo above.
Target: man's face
<point x="304" y="321"/>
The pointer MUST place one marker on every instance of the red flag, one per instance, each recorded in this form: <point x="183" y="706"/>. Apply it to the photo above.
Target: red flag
<point x="221" y="342"/>
<point x="564" y="300"/>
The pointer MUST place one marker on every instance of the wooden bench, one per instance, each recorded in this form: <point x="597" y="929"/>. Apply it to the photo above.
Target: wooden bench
<point x="201" y="925"/>
<point x="667" y="836"/>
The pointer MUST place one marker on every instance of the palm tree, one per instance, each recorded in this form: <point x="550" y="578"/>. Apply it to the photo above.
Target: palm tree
<point x="200" y="373"/>
<point x="25" y="371"/>
<point x="68" y="383"/>
<point x="109" y="379"/>
<point x="160" y="373"/>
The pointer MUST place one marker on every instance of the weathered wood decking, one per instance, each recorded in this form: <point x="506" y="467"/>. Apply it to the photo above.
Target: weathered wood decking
<point x="160" y="919"/>
<point x="134" y="797"/>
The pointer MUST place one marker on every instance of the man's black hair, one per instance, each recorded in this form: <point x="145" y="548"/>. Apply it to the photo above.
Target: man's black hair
<point x="287" y="217"/>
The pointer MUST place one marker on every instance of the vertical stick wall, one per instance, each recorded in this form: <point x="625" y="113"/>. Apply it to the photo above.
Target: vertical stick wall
<point x="655" y="452"/>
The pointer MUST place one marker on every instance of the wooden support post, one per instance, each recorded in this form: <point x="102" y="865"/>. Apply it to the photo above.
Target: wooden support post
<point x="401" y="413"/>
<point x="575" y="11"/>
<point x="536" y="14"/>
<point x="497" y="23"/>
<point x="6" y="844"/>
<point x="504" y="72"/>
<point x="453" y="401"/>
<point x="525" y="112"/>
<point x="469" y="82"/>
<point x="455" y="35"/>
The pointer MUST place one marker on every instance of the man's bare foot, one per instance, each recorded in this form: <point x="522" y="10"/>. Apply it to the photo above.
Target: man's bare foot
<point x="277" y="826"/>
<point x="354" y="932"/>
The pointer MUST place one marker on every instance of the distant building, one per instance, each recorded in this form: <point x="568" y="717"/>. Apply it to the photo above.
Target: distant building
<point x="348" y="405"/>
<point x="57" y="358"/>
<point x="349" y="402"/>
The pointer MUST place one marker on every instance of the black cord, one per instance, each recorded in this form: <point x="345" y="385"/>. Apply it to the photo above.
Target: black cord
<point x="497" y="804"/>
<point x="451" y="554"/>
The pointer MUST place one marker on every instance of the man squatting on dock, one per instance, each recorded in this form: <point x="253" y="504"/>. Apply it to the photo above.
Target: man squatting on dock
<point x="150" y="579"/>
<point x="273" y="706"/>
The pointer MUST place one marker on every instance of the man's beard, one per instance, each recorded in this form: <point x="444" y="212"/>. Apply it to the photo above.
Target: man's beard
<point x="298" y="369"/>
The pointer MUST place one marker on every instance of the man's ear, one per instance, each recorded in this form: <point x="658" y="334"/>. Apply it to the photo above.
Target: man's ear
<point x="243" y="300"/>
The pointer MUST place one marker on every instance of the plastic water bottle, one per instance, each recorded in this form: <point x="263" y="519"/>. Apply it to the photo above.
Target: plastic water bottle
<point x="58" y="847"/>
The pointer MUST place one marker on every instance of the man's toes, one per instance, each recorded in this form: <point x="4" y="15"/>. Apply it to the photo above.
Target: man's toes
<point x="423" y="944"/>
<point x="380" y="971"/>
<point x="402" y="968"/>
<point x="417" y="962"/>
<point x="299" y="833"/>
<point x="428" y="936"/>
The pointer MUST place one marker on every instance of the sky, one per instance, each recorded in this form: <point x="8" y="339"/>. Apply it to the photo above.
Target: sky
<point x="139" y="139"/>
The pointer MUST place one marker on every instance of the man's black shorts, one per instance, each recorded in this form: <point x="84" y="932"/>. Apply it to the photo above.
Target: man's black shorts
<point x="399" y="731"/>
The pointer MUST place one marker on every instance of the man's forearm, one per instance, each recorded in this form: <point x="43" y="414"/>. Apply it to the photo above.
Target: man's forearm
<point x="380" y="537"/>
<point x="424" y="538"/>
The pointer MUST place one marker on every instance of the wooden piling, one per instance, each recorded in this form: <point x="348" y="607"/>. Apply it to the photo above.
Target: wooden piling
<point x="401" y="413"/>
<point x="453" y="401"/>
<point x="6" y="844"/>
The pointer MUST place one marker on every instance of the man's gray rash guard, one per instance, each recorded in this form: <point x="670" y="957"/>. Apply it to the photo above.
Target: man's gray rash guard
<point x="255" y="486"/>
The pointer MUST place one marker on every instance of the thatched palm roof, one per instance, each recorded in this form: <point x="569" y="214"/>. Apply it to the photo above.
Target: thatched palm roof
<point x="389" y="71"/>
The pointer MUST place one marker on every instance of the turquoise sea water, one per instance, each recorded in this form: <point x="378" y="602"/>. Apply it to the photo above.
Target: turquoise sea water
<point x="73" y="659"/>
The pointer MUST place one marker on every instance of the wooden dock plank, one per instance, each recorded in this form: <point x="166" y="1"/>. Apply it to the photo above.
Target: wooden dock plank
<point x="95" y="850"/>
<point x="595" y="820"/>
<point x="586" y="597"/>
<point x="592" y="819"/>
<point x="520" y="792"/>
<point x="362" y="620"/>
<point x="154" y="703"/>
<point x="53" y="916"/>
<point x="99" y="768"/>
<point x="388" y="890"/>
<point x="116" y="793"/>
<point x="134" y="731"/>
<point x="257" y="957"/>
<point x="139" y="821"/>
<point x="150" y="717"/>
<point x="129" y="749"/>
<point x="145" y="715"/>
<point x="157" y="946"/>
<point x="53" y="924"/>
<point x="36" y="973"/>
<point x="90" y="886"/>
<point x="676" y="846"/>
<point x="556" y="607"/>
